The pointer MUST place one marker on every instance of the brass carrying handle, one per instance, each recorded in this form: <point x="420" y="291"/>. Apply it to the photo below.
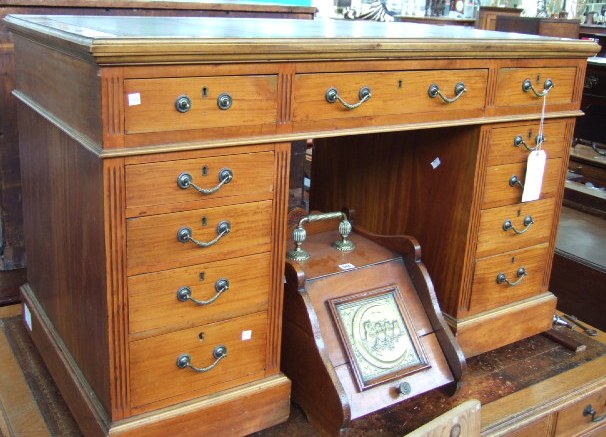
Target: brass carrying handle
<point x="590" y="411"/>
<point x="508" y="225"/>
<point x="332" y="95"/>
<point x="434" y="91"/>
<point x="502" y="277"/>
<point x="184" y="360"/>
<point x="514" y="180"/>
<point x="185" y="180"/>
<point x="547" y="86"/>
<point x="185" y="234"/>
<point x="221" y="286"/>
<point x="519" y="141"/>
<point x="299" y="235"/>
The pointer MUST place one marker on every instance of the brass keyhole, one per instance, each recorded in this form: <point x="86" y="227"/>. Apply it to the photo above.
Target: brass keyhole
<point x="201" y="336"/>
<point x="204" y="221"/>
<point x="201" y="276"/>
<point x="204" y="91"/>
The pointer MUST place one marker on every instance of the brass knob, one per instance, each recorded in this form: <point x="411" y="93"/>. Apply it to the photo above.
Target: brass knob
<point x="183" y="104"/>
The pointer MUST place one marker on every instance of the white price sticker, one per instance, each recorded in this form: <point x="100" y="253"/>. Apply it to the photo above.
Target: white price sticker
<point x="534" y="175"/>
<point x="246" y="335"/>
<point x="347" y="266"/>
<point x="27" y="317"/>
<point x="134" y="99"/>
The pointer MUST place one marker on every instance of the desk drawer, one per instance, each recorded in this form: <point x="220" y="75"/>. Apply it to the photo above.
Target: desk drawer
<point x="510" y="86"/>
<point x="249" y="178"/>
<point x="491" y="289"/>
<point x="171" y="104"/>
<point x="501" y="189"/>
<point x="576" y="418"/>
<point x="392" y="93"/>
<point x="495" y="236"/>
<point x="159" y="303"/>
<point x="155" y="376"/>
<point x="153" y="243"/>
<point x="507" y="144"/>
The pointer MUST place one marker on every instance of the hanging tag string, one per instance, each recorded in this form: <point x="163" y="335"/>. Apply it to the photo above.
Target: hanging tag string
<point x="542" y="124"/>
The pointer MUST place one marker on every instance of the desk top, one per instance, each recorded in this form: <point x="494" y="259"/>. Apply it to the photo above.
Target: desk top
<point x="119" y="40"/>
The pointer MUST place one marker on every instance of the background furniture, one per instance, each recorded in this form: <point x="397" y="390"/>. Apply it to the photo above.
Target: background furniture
<point x="558" y="27"/>
<point x="487" y="17"/>
<point x="216" y="103"/>
<point x="12" y="252"/>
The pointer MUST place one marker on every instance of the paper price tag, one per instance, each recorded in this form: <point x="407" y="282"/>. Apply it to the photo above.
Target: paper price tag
<point x="534" y="175"/>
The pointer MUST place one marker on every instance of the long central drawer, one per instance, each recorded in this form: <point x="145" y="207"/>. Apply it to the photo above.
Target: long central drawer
<point x="391" y="94"/>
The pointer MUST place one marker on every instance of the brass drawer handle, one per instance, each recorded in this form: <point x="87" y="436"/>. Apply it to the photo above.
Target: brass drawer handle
<point x="514" y="180"/>
<point x="528" y="222"/>
<point x="547" y="86"/>
<point x="221" y="286"/>
<point x="184" y="360"/>
<point x="183" y="104"/>
<point x="519" y="141"/>
<point x="434" y="91"/>
<point x="185" y="180"/>
<point x="332" y="95"/>
<point x="590" y="411"/>
<point x="184" y="234"/>
<point x="299" y="235"/>
<point x="502" y="277"/>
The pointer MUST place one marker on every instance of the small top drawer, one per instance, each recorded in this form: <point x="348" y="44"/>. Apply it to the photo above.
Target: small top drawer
<point x="340" y="96"/>
<point x="195" y="182"/>
<point x="171" y="104"/>
<point x="526" y="86"/>
<point x="513" y="143"/>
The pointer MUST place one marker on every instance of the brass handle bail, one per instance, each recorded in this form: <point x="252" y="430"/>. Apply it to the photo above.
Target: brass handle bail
<point x="184" y="360"/>
<point x="221" y="286"/>
<point x="528" y="222"/>
<point x="185" y="180"/>
<point x="521" y="273"/>
<point x="185" y="235"/>
<point x="434" y="91"/>
<point x="332" y="96"/>
<point x="547" y="86"/>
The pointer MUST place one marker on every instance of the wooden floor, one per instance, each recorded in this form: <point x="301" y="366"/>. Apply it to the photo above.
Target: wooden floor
<point x="19" y="413"/>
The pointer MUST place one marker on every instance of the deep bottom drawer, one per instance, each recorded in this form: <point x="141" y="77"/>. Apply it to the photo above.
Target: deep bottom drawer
<point x="500" y="280"/>
<point x="156" y="376"/>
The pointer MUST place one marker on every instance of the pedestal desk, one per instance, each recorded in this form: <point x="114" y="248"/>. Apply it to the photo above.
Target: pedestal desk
<point x="155" y="164"/>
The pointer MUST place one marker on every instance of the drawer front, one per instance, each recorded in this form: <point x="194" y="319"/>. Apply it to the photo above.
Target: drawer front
<point x="232" y="178"/>
<point x="576" y="418"/>
<point x="155" y="376"/>
<point x="176" y="299"/>
<point x="502" y="189"/>
<point x="392" y="93"/>
<point x="153" y="243"/>
<point x="507" y="278"/>
<point x="507" y="144"/>
<point x="510" y="86"/>
<point x="494" y="236"/>
<point x="171" y="104"/>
